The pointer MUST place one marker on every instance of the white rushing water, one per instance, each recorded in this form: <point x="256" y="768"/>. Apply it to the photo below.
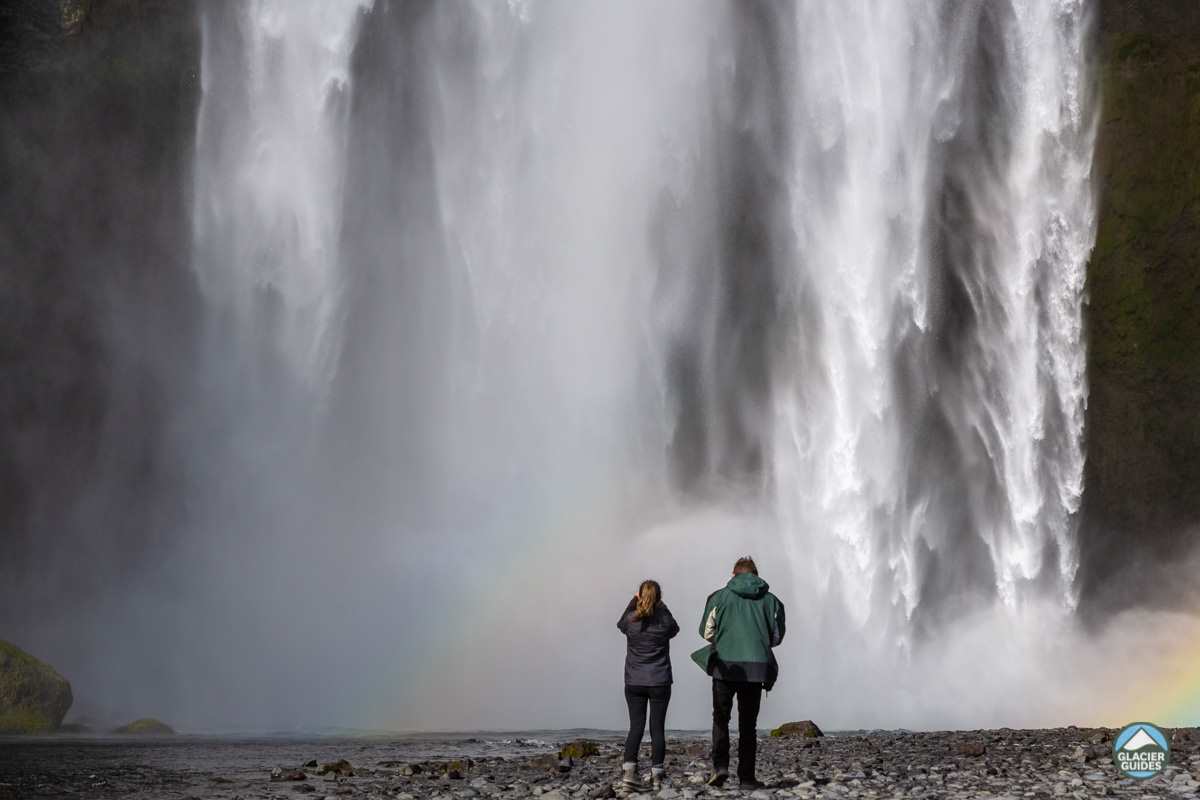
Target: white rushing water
<point x="817" y="265"/>
<point x="270" y="170"/>
<point x="890" y="118"/>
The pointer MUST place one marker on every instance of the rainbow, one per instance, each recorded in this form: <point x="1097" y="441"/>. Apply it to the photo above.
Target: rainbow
<point x="1169" y="695"/>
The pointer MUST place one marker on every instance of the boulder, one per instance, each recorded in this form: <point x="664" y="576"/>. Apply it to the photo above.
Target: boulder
<point x="805" y="728"/>
<point x="146" y="727"/>
<point x="281" y="774"/>
<point x="34" y="698"/>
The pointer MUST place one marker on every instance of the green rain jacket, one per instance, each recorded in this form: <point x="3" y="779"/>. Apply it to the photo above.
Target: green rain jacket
<point x="742" y="622"/>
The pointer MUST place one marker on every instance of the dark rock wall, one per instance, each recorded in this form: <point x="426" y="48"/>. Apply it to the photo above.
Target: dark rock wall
<point x="1143" y="319"/>
<point x="97" y="112"/>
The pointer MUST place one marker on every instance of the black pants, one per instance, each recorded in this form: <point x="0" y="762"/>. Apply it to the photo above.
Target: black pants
<point x="749" y="697"/>
<point x="637" y="697"/>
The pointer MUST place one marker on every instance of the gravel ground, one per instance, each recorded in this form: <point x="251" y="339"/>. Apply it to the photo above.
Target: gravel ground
<point x="1071" y="762"/>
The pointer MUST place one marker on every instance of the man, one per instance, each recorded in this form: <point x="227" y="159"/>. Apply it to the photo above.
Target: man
<point x="742" y="622"/>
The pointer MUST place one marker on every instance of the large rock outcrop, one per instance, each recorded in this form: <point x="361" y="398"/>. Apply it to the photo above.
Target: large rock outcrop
<point x="34" y="698"/>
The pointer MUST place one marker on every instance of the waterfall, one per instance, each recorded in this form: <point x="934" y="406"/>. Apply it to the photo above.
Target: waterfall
<point x="931" y="391"/>
<point x="552" y="281"/>
<point x="270" y="167"/>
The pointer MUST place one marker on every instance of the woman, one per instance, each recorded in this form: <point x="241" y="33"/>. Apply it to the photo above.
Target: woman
<point x="648" y="627"/>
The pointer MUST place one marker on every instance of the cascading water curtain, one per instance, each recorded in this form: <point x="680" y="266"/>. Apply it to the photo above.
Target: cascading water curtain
<point x="540" y="276"/>
<point x="929" y="407"/>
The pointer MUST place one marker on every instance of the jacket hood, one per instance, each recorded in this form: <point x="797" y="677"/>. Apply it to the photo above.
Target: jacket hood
<point x="748" y="585"/>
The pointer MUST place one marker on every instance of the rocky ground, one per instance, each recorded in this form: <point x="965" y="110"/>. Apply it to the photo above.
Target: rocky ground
<point x="1068" y="762"/>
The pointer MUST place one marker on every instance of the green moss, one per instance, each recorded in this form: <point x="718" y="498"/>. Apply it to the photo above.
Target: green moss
<point x="146" y="727"/>
<point x="34" y="698"/>
<point x="580" y="748"/>
<point x="805" y="728"/>
<point x="1137" y="47"/>
<point x="24" y="721"/>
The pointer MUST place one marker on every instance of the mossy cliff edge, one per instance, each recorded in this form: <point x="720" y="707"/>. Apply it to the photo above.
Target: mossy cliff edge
<point x="34" y="698"/>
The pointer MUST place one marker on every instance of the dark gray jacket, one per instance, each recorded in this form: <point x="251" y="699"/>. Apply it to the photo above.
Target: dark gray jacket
<point x="648" y="650"/>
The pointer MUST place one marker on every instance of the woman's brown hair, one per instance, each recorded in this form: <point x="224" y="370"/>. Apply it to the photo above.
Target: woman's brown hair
<point x="648" y="597"/>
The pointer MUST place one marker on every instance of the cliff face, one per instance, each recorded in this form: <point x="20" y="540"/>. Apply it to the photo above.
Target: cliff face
<point x="1143" y="434"/>
<point x="97" y="114"/>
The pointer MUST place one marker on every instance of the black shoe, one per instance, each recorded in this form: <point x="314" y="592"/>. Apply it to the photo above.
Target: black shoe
<point x="718" y="778"/>
<point x="750" y="784"/>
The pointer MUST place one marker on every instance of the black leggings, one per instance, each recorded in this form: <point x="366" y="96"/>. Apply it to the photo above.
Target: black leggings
<point x="637" y="697"/>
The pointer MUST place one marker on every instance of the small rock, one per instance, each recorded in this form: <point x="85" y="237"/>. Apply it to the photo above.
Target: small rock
<point x="281" y="774"/>
<point x="340" y="768"/>
<point x="548" y="762"/>
<point x="311" y="763"/>
<point x="971" y="748"/>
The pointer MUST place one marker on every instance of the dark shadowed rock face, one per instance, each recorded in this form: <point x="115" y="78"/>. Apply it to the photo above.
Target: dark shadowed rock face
<point x="1141" y="506"/>
<point x="97" y="115"/>
<point x="34" y="698"/>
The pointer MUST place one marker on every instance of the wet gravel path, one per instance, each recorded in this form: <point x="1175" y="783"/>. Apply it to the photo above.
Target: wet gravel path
<point x="1072" y="762"/>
